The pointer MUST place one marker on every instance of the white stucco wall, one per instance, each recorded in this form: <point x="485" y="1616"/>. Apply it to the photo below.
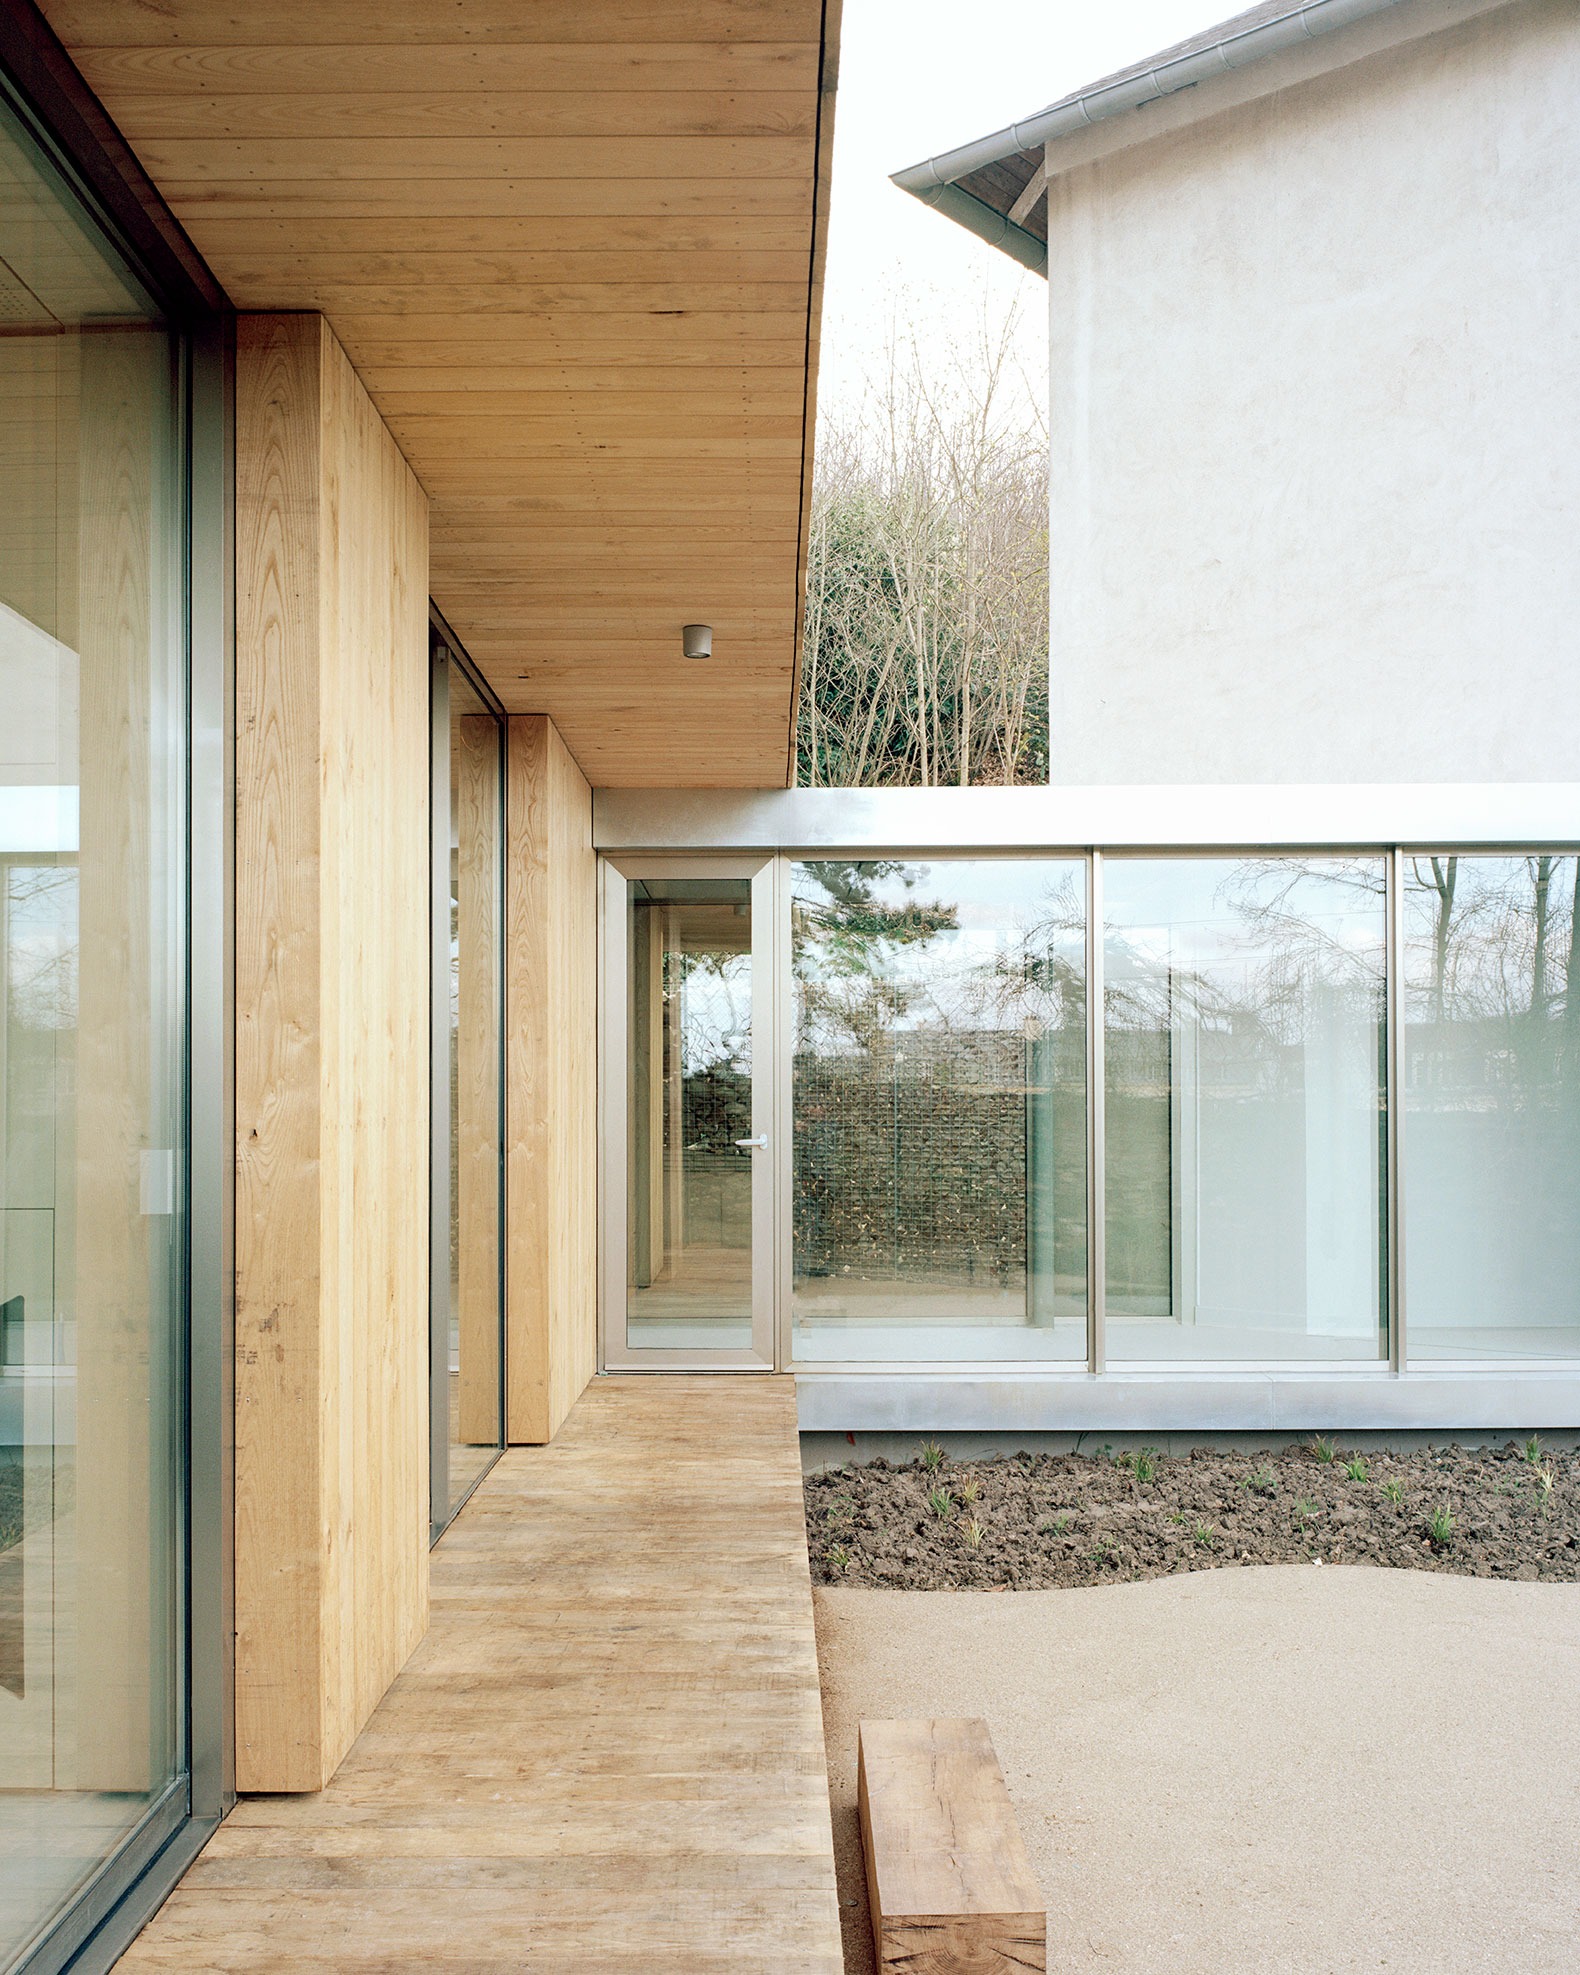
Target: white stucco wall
<point x="1315" y="405"/>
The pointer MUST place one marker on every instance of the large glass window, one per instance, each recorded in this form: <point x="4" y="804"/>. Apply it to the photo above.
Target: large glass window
<point x="92" y="879"/>
<point x="1245" y="1163"/>
<point x="939" y="1163"/>
<point x="1491" y="1074"/>
<point x="473" y="1345"/>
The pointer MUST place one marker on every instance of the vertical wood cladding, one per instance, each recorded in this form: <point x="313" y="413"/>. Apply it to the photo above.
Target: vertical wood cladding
<point x="551" y="1090"/>
<point x="332" y="1055"/>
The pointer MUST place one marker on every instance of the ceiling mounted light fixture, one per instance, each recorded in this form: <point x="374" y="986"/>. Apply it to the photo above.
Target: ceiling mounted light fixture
<point x="696" y="640"/>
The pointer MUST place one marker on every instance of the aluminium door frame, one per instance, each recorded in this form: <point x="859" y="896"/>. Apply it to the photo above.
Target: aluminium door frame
<point x="615" y="1353"/>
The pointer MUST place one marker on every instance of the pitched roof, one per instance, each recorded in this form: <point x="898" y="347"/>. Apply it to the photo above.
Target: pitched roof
<point x="979" y="184"/>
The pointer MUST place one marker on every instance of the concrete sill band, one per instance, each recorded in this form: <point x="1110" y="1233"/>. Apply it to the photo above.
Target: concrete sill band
<point x="1182" y="1401"/>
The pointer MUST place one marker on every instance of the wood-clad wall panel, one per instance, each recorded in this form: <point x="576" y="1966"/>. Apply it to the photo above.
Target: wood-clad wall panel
<point x="551" y="1082"/>
<point x="332" y="1066"/>
<point x="279" y="1360"/>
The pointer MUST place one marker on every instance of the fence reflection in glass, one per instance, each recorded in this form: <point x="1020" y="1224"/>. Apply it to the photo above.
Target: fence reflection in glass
<point x="940" y="1108"/>
<point x="939" y="1163"/>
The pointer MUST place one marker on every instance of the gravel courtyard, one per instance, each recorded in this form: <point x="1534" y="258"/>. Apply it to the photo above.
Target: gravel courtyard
<point x="1288" y="1770"/>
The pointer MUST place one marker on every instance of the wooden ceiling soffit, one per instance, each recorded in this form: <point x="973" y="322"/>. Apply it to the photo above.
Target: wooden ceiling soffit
<point x="575" y="250"/>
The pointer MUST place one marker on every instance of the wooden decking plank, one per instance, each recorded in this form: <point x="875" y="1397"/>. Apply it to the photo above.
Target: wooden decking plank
<point x="606" y="1755"/>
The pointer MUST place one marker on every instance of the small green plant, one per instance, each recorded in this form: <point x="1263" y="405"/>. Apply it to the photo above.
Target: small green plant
<point x="1205" y="1536"/>
<point x="1261" y="1481"/>
<point x="1533" y="1450"/>
<point x="1147" y="1464"/>
<point x="974" y="1534"/>
<point x="940" y="1501"/>
<point x="1393" y="1490"/>
<point x="1305" y="1510"/>
<point x="970" y="1490"/>
<point x="932" y="1456"/>
<point x="837" y="1557"/>
<point x="1440" y="1527"/>
<point x="1356" y="1469"/>
<point x="1323" y="1449"/>
<point x="1101" y="1552"/>
<point x="1178" y="1515"/>
<point x="1054" y="1525"/>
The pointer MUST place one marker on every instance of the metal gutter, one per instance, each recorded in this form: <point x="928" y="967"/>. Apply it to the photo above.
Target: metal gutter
<point x="986" y="222"/>
<point x="1234" y="51"/>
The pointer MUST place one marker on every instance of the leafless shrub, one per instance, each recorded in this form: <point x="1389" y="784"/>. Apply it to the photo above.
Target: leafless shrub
<point x="926" y="650"/>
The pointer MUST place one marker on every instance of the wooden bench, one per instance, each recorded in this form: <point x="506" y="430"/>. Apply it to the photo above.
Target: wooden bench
<point x="948" y="1873"/>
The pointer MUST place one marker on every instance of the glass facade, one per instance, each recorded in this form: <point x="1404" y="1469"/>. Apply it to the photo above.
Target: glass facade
<point x="1245" y="1129"/>
<point x="1491" y="1077"/>
<point x="474" y="1330"/>
<point x="1336" y="1123"/>
<point x="92" y="1050"/>
<point x="938" y="1169"/>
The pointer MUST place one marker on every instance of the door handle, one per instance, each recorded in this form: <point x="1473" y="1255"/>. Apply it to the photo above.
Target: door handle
<point x="760" y="1141"/>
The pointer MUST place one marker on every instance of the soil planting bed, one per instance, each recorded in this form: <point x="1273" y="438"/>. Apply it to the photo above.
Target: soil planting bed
<point x="1031" y="1522"/>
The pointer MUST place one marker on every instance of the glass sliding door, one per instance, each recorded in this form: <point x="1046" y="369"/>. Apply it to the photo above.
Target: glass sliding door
<point x="690" y="991"/>
<point x="939" y="1084"/>
<point x="1245" y="1160"/>
<point x="1491" y="1075"/>
<point x="93" y="874"/>
<point x="467" y="1280"/>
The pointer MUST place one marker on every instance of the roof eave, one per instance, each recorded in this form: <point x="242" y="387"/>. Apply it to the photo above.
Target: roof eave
<point x="935" y="177"/>
<point x="987" y="223"/>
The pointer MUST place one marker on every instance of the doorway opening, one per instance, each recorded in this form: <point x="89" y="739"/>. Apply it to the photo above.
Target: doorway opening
<point x="691" y="994"/>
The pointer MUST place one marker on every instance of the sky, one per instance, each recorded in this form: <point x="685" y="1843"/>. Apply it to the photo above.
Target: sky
<point x="917" y="77"/>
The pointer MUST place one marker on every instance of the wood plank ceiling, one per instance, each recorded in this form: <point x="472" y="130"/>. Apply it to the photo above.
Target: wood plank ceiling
<point x="574" y="249"/>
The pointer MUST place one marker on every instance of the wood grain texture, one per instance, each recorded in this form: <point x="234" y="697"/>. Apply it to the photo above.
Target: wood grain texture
<point x="948" y="1874"/>
<point x="298" y="69"/>
<point x="551" y="1319"/>
<point x="331" y="1057"/>
<point x="544" y="196"/>
<point x="606" y="1758"/>
<point x="486" y="24"/>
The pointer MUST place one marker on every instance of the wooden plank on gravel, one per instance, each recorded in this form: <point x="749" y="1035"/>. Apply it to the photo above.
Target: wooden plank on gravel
<point x="948" y="1874"/>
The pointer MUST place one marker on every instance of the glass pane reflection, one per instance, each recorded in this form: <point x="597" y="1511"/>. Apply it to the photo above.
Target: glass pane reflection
<point x="1491" y="1167"/>
<point x="92" y="878"/>
<point x="939" y="1176"/>
<point x="474" y="1366"/>
<point x="1245" y="1154"/>
<point x="689" y="1227"/>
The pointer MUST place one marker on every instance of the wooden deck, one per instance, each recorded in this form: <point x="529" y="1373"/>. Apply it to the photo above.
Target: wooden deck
<point x="606" y="1755"/>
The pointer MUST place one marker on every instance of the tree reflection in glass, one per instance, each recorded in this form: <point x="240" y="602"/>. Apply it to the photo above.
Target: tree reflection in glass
<point x="1491" y="1076"/>
<point x="939" y="1169"/>
<point x="1245" y="1150"/>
